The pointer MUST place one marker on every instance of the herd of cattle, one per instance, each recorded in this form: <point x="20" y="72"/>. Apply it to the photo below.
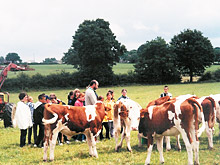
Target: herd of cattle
<point x="162" y="117"/>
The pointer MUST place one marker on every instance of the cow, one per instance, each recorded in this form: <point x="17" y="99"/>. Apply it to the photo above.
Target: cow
<point x="216" y="97"/>
<point x="126" y="116"/>
<point x="72" y="120"/>
<point x="170" y="119"/>
<point x="208" y="115"/>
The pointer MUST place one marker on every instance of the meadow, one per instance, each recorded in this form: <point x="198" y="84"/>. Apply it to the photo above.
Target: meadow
<point x="77" y="153"/>
<point x="119" y="68"/>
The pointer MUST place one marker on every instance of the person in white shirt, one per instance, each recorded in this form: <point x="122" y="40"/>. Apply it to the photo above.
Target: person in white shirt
<point x="166" y="93"/>
<point x="90" y="94"/>
<point x="23" y="117"/>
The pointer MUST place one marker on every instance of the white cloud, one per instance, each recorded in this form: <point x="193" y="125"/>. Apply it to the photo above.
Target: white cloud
<point x="41" y="29"/>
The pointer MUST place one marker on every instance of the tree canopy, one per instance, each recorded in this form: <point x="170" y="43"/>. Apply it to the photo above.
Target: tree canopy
<point x="129" y="57"/>
<point x="156" y="63"/>
<point x="194" y="52"/>
<point x="13" y="57"/>
<point x="94" y="51"/>
<point x="50" y="60"/>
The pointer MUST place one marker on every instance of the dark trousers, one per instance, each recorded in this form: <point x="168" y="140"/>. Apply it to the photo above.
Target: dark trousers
<point x="111" y="128"/>
<point x="35" y="132"/>
<point x="105" y="124"/>
<point x="23" y="137"/>
<point x="40" y="136"/>
<point x="29" y="135"/>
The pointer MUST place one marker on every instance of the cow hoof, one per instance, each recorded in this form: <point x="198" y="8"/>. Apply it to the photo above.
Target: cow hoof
<point x="129" y="150"/>
<point x="211" y="148"/>
<point x="196" y="163"/>
<point x="118" y="148"/>
<point x="45" y="160"/>
<point x="168" y="149"/>
<point x="162" y="163"/>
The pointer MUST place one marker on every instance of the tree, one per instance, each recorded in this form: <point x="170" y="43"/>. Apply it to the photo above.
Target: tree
<point x="217" y="55"/>
<point x="156" y="63"/>
<point x="194" y="52"/>
<point x="129" y="57"/>
<point x="94" y="51"/>
<point x="2" y="59"/>
<point x="50" y="60"/>
<point x="13" y="57"/>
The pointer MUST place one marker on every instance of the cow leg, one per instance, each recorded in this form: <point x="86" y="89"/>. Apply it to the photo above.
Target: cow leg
<point x="46" y="141"/>
<point x="178" y="145"/>
<point x="210" y="136"/>
<point x="92" y="144"/>
<point x="121" y="142"/>
<point x="139" y="140"/>
<point x="149" y="150"/>
<point x="168" y="146"/>
<point x="160" y="148"/>
<point x="188" y="145"/>
<point x="127" y="138"/>
<point x="53" y="144"/>
<point x="195" y="145"/>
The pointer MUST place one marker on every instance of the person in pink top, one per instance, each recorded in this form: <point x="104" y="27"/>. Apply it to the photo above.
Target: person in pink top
<point x="80" y="102"/>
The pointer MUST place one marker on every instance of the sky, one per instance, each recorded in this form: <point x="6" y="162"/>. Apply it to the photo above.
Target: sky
<point x="39" y="29"/>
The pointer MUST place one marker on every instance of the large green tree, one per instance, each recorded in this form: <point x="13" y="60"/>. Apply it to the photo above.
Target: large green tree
<point x="94" y="51"/>
<point x="217" y="55"/>
<point x="50" y="60"/>
<point x="13" y="57"/>
<point x="194" y="52"/>
<point x="156" y="63"/>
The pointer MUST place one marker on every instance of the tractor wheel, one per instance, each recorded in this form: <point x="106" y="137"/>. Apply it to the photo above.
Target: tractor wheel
<point x="7" y="115"/>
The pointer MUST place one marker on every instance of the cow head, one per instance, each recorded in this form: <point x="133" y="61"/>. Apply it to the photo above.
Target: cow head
<point x="129" y="111"/>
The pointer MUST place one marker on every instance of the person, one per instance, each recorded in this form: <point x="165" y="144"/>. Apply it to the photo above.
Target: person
<point x="166" y="93"/>
<point x="23" y="117"/>
<point x="38" y="116"/>
<point x="112" y="93"/>
<point x="124" y="94"/>
<point x="80" y="102"/>
<point x="91" y="95"/>
<point x="76" y="94"/>
<point x="31" y="106"/>
<point x="70" y="98"/>
<point x="109" y="102"/>
<point x="104" y="123"/>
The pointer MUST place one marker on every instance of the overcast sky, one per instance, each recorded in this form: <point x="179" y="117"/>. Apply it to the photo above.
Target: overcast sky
<point x="39" y="29"/>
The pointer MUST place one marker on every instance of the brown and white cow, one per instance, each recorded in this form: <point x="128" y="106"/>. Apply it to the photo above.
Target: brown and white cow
<point x="170" y="119"/>
<point x="72" y="120"/>
<point x="206" y="117"/>
<point x="126" y="116"/>
<point x="216" y="97"/>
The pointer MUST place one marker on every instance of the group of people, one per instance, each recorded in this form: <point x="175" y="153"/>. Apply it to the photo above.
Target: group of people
<point x="29" y="115"/>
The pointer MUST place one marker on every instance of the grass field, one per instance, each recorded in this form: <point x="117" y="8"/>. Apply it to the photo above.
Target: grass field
<point x="49" y="69"/>
<point x="77" y="153"/>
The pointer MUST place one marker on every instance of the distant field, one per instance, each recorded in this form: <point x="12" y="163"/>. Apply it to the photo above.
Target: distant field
<point x="49" y="69"/>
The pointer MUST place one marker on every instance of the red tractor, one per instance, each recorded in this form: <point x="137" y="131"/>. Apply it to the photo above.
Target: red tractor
<point x="5" y="106"/>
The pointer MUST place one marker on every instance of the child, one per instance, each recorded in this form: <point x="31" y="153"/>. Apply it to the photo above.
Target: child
<point x="23" y="117"/>
<point x="31" y="106"/>
<point x="80" y="102"/>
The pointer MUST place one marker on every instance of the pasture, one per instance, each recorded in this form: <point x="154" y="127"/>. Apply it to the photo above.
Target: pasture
<point x="77" y="153"/>
<point x="119" y="68"/>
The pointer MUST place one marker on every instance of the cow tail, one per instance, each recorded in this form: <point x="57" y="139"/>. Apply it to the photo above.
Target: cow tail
<point x="199" y="108"/>
<point x="14" y="122"/>
<point x="49" y="121"/>
<point x="213" y="112"/>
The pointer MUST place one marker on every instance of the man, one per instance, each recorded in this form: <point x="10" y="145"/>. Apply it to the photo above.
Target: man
<point x="38" y="116"/>
<point x="166" y="93"/>
<point x="90" y="94"/>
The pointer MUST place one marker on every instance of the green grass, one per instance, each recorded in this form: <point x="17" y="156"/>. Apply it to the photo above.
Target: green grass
<point x="49" y="69"/>
<point x="213" y="68"/>
<point x="77" y="153"/>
